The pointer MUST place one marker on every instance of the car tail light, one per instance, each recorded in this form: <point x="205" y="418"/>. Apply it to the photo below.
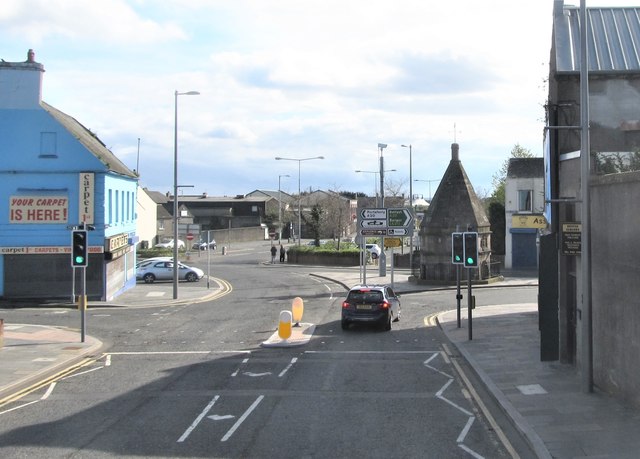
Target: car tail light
<point x="345" y="305"/>
<point x="385" y="305"/>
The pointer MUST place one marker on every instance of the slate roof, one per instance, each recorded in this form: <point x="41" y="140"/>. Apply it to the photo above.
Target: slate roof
<point x="525" y="168"/>
<point x="90" y="141"/>
<point x="613" y="37"/>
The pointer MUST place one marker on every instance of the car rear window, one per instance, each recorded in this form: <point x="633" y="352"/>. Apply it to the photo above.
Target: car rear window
<point x="365" y="296"/>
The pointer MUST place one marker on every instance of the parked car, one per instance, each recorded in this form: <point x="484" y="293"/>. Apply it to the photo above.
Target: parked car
<point x="169" y="245"/>
<point x="377" y="304"/>
<point x="374" y="250"/>
<point x="146" y="261"/>
<point x="163" y="270"/>
<point x="204" y="246"/>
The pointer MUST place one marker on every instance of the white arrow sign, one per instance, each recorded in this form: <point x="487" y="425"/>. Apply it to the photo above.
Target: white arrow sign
<point x="397" y="232"/>
<point x="376" y="214"/>
<point x="373" y="223"/>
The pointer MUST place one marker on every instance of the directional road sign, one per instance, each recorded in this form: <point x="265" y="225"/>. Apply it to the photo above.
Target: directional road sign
<point x="397" y="232"/>
<point x="373" y="223"/>
<point x="399" y="217"/>
<point x="394" y="221"/>
<point x="374" y="214"/>
<point x="373" y="232"/>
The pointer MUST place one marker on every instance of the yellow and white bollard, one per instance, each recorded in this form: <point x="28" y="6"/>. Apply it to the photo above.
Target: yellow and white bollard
<point x="297" y="309"/>
<point x="284" y="325"/>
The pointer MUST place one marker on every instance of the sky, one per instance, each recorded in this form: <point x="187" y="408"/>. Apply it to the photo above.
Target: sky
<point x="295" y="79"/>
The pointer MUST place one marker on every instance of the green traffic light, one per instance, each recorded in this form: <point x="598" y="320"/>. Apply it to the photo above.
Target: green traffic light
<point x="458" y="258"/>
<point x="79" y="260"/>
<point x="470" y="261"/>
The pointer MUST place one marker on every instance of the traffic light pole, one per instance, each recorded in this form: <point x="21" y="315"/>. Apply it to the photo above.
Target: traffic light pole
<point x="469" y="305"/>
<point x="82" y="304"/>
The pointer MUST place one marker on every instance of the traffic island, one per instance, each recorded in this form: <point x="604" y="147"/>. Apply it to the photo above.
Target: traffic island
<point x="300" y="335"/>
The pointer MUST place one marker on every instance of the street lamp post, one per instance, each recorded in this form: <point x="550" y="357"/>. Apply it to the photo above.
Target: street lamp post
<point x="382" y="270"/>
<point x="175" y="189"/>
<point x="280" y="209"/>
<point x="278" y="158"/>
<point x="413" y="214"/>
<point x="375" y="179"/>
<point x="429" y="182"/>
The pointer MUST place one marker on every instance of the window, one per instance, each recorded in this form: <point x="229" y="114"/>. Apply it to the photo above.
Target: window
<point x="48" y="145"/>
<point x="525" y="203"/>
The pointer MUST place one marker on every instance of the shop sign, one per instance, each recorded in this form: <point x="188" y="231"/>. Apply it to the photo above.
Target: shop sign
<point x="528" y="221"/>
<point x="38" y="209"/>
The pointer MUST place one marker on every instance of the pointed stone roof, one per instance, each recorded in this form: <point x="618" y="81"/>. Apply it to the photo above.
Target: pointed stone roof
<point x="455" y="201"/>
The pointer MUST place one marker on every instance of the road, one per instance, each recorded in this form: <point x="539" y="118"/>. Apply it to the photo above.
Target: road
<point x="193" y="381"/>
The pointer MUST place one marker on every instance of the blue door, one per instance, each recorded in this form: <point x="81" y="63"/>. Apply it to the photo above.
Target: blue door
<point x="524" y="250"/>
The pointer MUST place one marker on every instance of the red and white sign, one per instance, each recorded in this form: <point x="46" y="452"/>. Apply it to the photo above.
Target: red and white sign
<point x="189" y="237"/>
<point x="38" y="209"/>
<point x="44" y="250"/>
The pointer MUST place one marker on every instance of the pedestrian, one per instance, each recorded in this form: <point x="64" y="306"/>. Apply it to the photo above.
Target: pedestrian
<point x="273" y="254"/>
<point x="282" y="252"/>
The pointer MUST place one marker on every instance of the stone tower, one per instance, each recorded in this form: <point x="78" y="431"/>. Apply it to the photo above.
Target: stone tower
<point x="454" y="207"/>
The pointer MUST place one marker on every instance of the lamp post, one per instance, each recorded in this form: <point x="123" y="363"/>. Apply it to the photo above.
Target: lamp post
<point x="429" y="182"/>
<point x="175" y="189"/>
<point x="413" y="214"/>
<point x="278" y="158"/>
<point x="382" y="270"/>
<point x="280" y="209"/>
<point x="375" y="178"/>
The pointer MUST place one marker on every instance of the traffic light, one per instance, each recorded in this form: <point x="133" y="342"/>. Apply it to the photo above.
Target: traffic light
<point x="470" y="250"/>
<point x="79" y="245"/>
<point x="457" y="248"/>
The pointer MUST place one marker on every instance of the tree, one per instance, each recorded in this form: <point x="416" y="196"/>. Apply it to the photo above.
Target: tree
<point x="500" y="177"/>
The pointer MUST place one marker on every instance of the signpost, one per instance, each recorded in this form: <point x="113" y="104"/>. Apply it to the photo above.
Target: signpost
<point x="384" y="222"/>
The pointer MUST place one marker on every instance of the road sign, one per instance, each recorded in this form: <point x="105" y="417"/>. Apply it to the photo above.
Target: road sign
<point x="373" y="232"/>
<point x="400" y="220"/>
<point x="189" y="237"/>
<point x="373" y="223"/>
<point x="399" y="217"/>
<point x="392" y="242"/>
<point x="374" y="214"/>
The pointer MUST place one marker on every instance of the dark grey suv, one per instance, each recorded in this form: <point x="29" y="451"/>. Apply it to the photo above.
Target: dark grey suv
<point x="371" y="303"/>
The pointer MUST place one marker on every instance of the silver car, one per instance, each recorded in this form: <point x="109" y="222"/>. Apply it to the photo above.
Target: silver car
<point x="163" y="270"/>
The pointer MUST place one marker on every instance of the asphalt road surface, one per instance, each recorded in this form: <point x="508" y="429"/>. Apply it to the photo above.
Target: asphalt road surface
<point x="193" y="381"/>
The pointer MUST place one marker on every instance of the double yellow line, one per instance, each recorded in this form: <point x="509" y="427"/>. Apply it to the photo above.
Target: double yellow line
<point x="38" y="385"/>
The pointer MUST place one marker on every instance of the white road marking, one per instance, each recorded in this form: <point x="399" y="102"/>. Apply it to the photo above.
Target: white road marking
<point x="242" y="418"/>
<point x="195" y="423"/>
<point x="282" y="373"/>
<point x="49" y="391"/>
<point x="256" y="375"/>
<point x="465" y="431"/>
<point x="445" y="399"/>
<point x="217" y="417"/>
<point x="235" y="373"/>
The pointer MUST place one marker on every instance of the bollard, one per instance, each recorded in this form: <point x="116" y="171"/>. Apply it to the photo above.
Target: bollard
<point x="284" y="326"/>
<point x="224" y="250"/>
<point x="297" y="309"/>
<point x="1" y="333"/>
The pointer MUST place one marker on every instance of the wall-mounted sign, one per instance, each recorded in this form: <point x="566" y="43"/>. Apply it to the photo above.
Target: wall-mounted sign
<point x="38" y="209"/>
<point x="116" y="242"/>
<point x="86" y="198"/>
<point x="46" y="250"/>
<point x="528" y="221"/>
<point x="571" y="238"/>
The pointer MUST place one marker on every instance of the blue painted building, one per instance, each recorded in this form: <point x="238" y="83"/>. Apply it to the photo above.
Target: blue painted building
<point x="55" y="174"/>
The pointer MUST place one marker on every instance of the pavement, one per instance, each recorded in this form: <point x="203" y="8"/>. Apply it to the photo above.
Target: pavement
<point x="544" y="400"/>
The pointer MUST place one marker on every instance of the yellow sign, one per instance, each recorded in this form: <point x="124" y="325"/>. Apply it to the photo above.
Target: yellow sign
<point x="392" y="242"/>
<point x="528" y="221"/>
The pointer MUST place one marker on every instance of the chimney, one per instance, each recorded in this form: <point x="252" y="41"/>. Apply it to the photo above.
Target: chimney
<point x="21" y="84"/>
<point x="455" y="148"/>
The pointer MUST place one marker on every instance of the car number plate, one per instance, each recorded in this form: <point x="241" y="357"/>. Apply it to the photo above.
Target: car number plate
<point x="363" y="306"/>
